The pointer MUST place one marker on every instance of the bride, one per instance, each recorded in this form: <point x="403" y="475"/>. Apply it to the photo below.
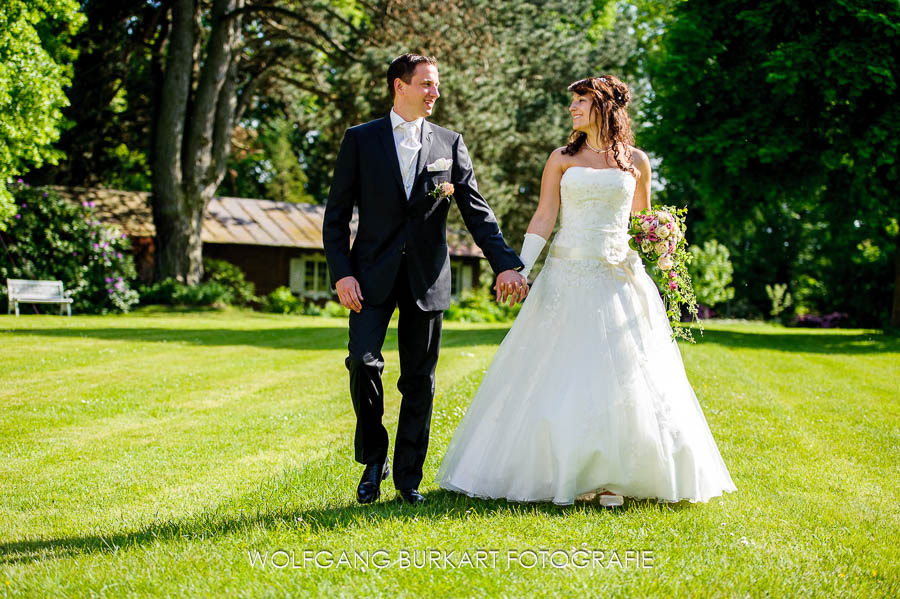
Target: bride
<point x="587" y="395"/>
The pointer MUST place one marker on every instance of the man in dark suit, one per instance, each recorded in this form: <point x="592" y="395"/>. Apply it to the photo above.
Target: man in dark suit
<point x="392" y="169"/>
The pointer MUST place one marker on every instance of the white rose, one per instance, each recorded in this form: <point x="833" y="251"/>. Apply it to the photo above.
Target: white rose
<point x="662" y="217"/>
<point x="646" y="246"/>
<point x="661" y="248"/>
<point x="665" y="263"/>
<point x="646" y="226"/>
<point x="662" y="232"/>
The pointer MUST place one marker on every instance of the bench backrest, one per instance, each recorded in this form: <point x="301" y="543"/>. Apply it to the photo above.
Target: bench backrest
<point x="19" y="288"/>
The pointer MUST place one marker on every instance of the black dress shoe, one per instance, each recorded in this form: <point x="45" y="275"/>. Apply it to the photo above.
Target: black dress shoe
<point x="411" y="496"/>
<point x="369" y="489"/>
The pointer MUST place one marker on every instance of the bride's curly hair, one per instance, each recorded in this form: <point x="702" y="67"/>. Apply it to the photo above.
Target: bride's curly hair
<point x="609" y="99"/>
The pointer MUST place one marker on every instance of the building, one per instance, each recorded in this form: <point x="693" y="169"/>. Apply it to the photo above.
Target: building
<point x="274" y="243"/>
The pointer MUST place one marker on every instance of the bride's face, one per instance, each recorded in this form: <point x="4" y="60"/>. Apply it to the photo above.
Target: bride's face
<point x="580" y="109"/>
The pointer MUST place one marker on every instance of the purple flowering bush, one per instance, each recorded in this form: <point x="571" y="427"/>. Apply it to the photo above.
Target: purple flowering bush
<point x="53" y="238"/>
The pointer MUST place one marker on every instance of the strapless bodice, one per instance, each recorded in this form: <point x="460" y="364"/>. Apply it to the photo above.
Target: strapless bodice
<point x="595" y="206"/>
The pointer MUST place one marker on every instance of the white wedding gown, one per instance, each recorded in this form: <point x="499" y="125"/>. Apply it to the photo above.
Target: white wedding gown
<point x="587" y="391"/>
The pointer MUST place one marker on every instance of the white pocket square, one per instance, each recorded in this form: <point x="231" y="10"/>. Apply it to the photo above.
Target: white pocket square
<point x="441" y="164"/>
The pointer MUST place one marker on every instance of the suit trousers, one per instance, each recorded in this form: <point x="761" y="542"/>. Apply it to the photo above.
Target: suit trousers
<point x="418" y="341"/>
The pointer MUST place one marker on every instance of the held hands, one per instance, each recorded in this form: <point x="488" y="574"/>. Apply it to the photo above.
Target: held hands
<point x="511" y="286"/>
<point x="349" y="293"/>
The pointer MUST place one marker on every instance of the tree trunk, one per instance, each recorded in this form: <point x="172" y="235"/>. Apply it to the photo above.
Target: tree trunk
<point x="179" y="247"/>
<point x="192" y="134"/>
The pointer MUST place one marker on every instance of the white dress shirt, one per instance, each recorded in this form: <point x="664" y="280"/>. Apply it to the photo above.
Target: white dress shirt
<point x="406" y="141"/>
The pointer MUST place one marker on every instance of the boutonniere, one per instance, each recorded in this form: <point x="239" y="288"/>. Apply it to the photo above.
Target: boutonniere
<point x="444" y="190"/>
<point x="441" y="164"/>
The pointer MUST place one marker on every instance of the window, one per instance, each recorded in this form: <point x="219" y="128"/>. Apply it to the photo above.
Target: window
<point x="455" y="278"/>
<point x="460" y="278"/>
<point x="309" y="275"/>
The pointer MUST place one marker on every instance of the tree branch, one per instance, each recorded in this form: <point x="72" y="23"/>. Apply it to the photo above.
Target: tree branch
<point x="297" y="17"/>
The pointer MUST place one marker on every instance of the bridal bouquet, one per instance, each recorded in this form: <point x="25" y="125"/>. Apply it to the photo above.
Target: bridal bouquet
<point x="657" y="235"/>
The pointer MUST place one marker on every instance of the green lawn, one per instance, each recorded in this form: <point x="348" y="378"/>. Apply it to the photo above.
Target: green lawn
<point x="154" y="454"/>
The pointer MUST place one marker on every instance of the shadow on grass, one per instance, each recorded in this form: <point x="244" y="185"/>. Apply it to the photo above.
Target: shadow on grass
<point x="327" y="338"/>
<point x="299" y="338"/>
<point x="825" y="342"/>
<point x="441" y="505"/>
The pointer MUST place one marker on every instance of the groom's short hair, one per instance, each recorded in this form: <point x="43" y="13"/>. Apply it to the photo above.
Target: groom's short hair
<point x="404" y="66"/>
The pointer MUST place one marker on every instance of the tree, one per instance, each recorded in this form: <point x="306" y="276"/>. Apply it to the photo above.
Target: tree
<point x="711" y="273"/>
<point x="778" y="125"/>
<point x="237" y="45"/>
<point x="504" y="70"/>
<point x="304" y="71"/>
<point x="34" y="69"/>
<point x="111" y="98"/>
<point x="264" y="164"/>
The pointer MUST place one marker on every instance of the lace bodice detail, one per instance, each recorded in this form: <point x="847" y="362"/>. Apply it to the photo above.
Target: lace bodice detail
<point x="595" y="205"/>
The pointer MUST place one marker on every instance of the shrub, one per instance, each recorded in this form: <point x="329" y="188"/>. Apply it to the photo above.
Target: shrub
<point x="711" y="273"/>
<point x="53" y="238"/>
<point x="240" y="291"/>
<point x="480" y="306"/>
<point x="172" y="293"/>
<point x="781" y="299"/>
<point x="283" y="301"/>
<point x="335" y="309"/>
<point x="828" y="321"/>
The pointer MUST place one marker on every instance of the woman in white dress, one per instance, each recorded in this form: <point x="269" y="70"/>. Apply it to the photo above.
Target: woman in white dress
<point x="587" y="394"/>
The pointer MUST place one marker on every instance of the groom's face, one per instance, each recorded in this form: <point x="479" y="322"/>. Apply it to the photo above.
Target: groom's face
<point x="418" y="96"/>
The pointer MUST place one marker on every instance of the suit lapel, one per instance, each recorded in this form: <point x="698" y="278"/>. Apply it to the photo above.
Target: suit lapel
<point x="387" y="140"/>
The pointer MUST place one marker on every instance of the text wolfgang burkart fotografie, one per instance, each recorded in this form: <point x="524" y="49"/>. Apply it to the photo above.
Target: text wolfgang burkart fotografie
<point x="280" y="559"/>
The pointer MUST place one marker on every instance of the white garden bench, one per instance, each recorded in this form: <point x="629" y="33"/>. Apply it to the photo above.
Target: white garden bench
<point x="36" y="292"/>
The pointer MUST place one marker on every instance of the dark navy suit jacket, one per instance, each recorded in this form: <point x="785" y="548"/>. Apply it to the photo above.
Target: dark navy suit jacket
<point x="367" y="175"/>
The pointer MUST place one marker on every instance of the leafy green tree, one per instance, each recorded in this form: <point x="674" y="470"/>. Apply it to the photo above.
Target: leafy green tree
<point x="264" y="164"/>
<point x="301" y="72"/>
<point x="164" y="84"/>
<point x="711" y="273"/>
<point x="34" y="69"/>
<point x="777" y="123"/>
<point x="504" y="71"/>
<point x="111" y="98"/>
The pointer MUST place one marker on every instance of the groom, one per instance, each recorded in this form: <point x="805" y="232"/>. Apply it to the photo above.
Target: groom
<point x="391" y="169"/>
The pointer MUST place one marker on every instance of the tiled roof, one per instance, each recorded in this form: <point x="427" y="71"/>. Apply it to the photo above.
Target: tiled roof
<point x="239" y="221"/>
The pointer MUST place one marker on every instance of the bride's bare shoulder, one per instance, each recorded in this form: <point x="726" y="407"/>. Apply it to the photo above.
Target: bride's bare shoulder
<point x="640" y="159"/>
<point x="557" y="159"/>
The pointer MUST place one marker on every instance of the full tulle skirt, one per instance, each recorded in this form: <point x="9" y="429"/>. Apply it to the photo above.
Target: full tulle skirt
<point x="587" y="392"/>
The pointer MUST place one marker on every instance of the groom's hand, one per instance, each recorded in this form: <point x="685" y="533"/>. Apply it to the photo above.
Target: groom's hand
<point x="511" y="285"/>
<point x="349" y="293"/>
